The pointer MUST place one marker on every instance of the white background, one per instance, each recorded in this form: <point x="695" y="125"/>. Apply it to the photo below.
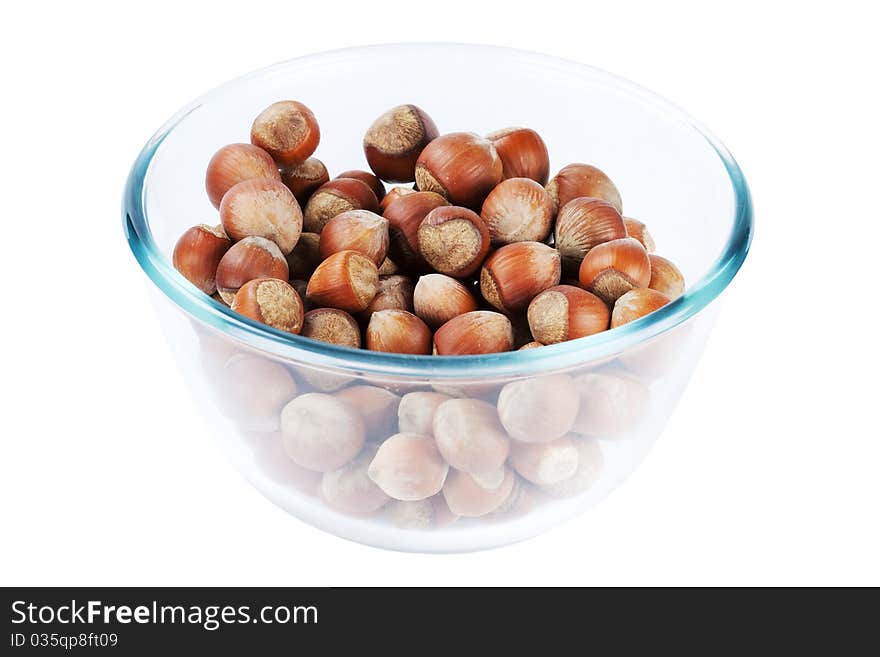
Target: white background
<point x="769" y="471"/>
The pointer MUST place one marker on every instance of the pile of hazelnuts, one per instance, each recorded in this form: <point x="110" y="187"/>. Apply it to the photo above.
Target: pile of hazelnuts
<point x="481" y="255"/>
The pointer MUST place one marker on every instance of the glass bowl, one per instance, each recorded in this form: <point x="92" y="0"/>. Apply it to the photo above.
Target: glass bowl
<point x="600" y="401"/>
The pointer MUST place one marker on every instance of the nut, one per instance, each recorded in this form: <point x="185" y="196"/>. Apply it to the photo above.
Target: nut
<point x="461" y="166"/>
<point x="320" y="432"/>
<point x="331" y="325"/>
<point x="523" y="153"/>
<point x="335" y="197"/>
<point x="273" y="463"/>
<point x="388" y="267"/>
<point x="613" y="268"/>
<point x="589" y="469"/>
<point x="636" y="304"/>
<point x="398" y="332"/>
<point x="272" y="302"/>
<point x="395" y="293"/>
<point x="235" y="163"/>
<point x="545" y="463"/>
<point x="368" y="179"/>
<point x="252" y="391"/>
<point x="610" y="404"/>
<point x="516" y="273"/>
<point x="665" y="277"/>
<point x="262" y="207"/>
<point x="431" y="513"/>
<point x="350" y="490"/>
<point x="305" y="257"/>
<point x="437" y="298"/>
<point x="345" y="280"/>
<point x="393" y="194"/>
<point x="405" y="214"/>
<point x="577" y="180"/>
<point x="469" y="435"/>
<point x="518" y="210"/>
<point x="468" y="499"/>
<point x="638" y="230"/>
<point x="583" y="223"/>
<point x="540" y="409"/>
<point x="565" y="312"/>
<point x="252" y="257"/>
<point x="530" y="345"/>
<point x="415" y="414"/>
<point x="302" y="180"/>
<point x="288" y="131"/>
<point x="453" y="240"/>
<point x="377" y="406"/>
<point x="477" y="332"/>
<point x="198" y="253"/>
<point x="356" y="230"/>
<point x="395" y="140"/>
<point x="409" y="467"/>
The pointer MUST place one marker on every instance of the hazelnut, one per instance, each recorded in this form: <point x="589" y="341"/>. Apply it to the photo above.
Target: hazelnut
<point x="405" y="214"/>
<point x="453" y="240"/>
<point x="335" y="197"/>
<point x="377" y="406"/>
<point x="469" y="499"/>
<point x="656" y="358"/>
<point x="288" y="131"/>
<point x="540" y="409"/>
<point x="388" y="267"/>
<point x="470" y="436"/>
<point x="583" y="223"/>
<point x="565" y="313"/>
<point x="589" y="469"/>
<point x="415" y="414"/>
<point x="518" y="210"/>
<point x="610" y="404"/>
<point x="638" y="230"/>
<point x="368" y="179"/>
<point x="305" y="257"/>
<point x="332" y="325"/>
<point x="272" y="302"/>
<point x="395" y="293"/>
<point x="545" y="463"/>
<point x="320" y="432"/>
<point x="491" y="478"/>
<point x="665" y="277"/>
<point x="395" y="140"/>
<point x="530" y="345"/>
<point x="523" y="153"/>
<point x="346" y="280"/>
<point x="252" y="257"/>
<point x="198" y="253"/>
<point x="350" y="490"/>
<point x="577" y="180"/>
<point x="613" y="268"/>
<point x="303" y="179"/>
<point x="398" y="332"/>
<point x="356" y="230"/>
<point x="516" y="273"/>
<point x="393" y="194"/>
<point x="262" y="207"/>
<point x="523" y="498"/>
<point x="409" y="467"/>
<point x="430" y="513"/>
<point x="252" y="391"/>
<point x="437" y="298"/>
<point x="461" y="166"/>
<point x="636" y="304"/>
<point x="233" y="164"/>
<point x="477" y="332"/>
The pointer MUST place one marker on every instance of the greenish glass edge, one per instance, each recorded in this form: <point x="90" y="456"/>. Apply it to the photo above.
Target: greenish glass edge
<point x="284" y="345"/>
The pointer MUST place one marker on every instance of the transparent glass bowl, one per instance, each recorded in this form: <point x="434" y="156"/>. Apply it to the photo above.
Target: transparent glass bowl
<point x="609" y="395"/>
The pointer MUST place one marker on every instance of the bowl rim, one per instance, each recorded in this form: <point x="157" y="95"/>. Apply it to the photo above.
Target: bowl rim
<point x="550" y="357"/>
